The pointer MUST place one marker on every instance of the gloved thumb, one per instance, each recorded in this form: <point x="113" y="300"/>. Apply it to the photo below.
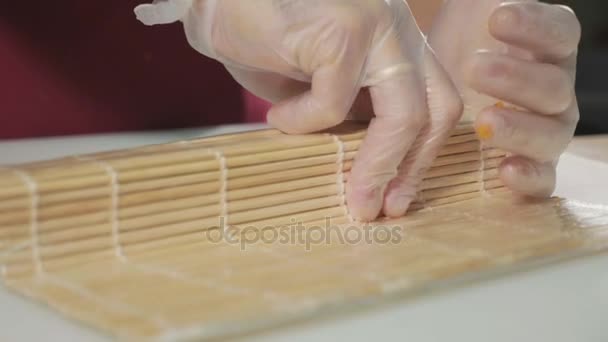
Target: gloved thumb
<point x="162" y="11"/>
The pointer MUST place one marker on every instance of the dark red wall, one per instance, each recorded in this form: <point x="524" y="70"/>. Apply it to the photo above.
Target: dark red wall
<point x="74" y="67"/>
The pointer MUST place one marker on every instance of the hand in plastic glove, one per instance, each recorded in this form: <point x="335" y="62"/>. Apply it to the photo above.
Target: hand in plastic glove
<point x="311" y="58"/>
<point x="523" y="53"/>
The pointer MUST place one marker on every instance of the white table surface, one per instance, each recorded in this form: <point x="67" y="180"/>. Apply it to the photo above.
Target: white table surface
<point x="565" y="302"/>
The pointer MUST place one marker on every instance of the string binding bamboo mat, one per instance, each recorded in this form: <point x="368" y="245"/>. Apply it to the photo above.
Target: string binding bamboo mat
<point x="151" y="243"/>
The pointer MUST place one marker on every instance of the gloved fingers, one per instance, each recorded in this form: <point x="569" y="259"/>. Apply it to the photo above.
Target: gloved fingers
<point x="399" y="103"/>
<point x="336" y="81"/>
<point x="541" y="88"/>
<point x="325" y="105"/>
<point x="552" y="32"/>
<point x="269" y="86"/>
<point x="445" y="111"/>
<point x="387" y="142"/>
<point x="527" y="177"/>
<point x="542" y="138"/>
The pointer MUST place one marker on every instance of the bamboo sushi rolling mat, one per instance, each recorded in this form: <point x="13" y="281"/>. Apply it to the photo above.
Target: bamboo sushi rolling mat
<point x="187" y="240"/>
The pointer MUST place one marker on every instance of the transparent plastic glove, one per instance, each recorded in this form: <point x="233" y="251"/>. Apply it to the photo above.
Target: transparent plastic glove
<point x="524" y="54"/>
<point x="311" y="58"/>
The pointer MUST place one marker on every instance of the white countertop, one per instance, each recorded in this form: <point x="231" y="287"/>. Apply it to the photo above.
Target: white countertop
<point x="566" y="302"/>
